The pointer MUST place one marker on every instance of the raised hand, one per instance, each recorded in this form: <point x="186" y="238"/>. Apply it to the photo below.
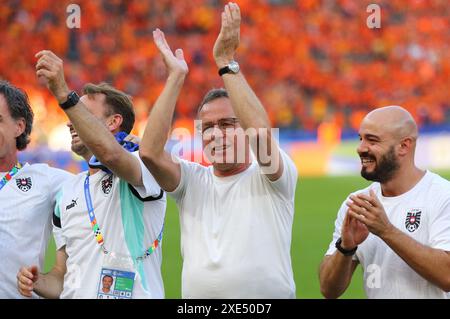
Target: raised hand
<point x="174" y="63"/>
<point x="26" y="277"/>
<point x="353" y="232"/>
<point x="228" y="40"/>
<point x="50" y="68"/>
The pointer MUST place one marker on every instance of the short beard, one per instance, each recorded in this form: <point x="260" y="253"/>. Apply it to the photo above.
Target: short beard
<point x="385" y="168"/>
<point x="80" y="150"/>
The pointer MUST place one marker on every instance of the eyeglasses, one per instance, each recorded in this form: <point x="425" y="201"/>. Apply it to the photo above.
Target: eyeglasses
<point x="222" y="124"/>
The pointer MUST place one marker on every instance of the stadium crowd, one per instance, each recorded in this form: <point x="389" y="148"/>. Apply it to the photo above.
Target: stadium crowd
<point x="309" y="61"/>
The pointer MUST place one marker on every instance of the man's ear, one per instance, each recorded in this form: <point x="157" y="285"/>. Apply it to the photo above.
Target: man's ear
<point x="20" y="126"/>
<point x="114" y="122"/>
<point x="406" y="145"/>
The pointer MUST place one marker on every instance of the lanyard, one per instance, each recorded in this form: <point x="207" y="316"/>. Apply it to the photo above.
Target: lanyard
<point x="96" y="229"/>
<point x="10" y="175"/>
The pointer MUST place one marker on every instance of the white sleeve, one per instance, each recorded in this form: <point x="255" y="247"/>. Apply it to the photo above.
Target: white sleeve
<point x="57" y="177"/>
<point x="337" y="230"/>
<point x="57" y="226"/>
<point x="186" y="172"/>
<point x="59" y="237"/>
<point x="440" y="227"/>
<point x="285" y="185"/>
<point x="150" y="187"/>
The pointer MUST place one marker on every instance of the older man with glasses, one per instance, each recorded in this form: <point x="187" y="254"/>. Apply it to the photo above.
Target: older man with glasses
<point x="235" y="215"/>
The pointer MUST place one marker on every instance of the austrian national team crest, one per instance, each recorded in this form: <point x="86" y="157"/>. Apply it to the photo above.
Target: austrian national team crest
<point x="413" y="219"/>
<point x="24" y="184"/>
<point x="107" y="184"/>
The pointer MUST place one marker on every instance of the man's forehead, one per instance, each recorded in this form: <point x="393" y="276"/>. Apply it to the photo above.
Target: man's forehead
<point x="371" y="127"/>
<point x="93" y="101"/>
<point x="216" y="110"/>
<point x="98" y="97"/>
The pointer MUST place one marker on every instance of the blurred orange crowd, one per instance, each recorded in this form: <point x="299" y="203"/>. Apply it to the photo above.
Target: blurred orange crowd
<point x="310" y="61"/>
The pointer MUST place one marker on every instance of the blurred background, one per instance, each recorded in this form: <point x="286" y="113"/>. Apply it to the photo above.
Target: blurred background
<point x="315" y="64"/>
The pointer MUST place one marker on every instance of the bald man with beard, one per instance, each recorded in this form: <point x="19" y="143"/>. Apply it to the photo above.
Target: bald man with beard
<point x="398" y="228"/>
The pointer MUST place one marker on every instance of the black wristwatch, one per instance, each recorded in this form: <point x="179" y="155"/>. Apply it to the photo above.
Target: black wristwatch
<point x="232" y="67"/>
<point x="345" y="252"/>
<point x="72" y="100"/>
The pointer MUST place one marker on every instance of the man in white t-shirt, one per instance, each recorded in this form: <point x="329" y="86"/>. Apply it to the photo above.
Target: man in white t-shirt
<point x="236" y="215"/>
<point x="398" y="228"/>
<point x="27" y="192"/>
<point x="110" y="219"/>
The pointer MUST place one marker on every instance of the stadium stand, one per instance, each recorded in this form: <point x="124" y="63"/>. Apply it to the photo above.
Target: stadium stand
<point x="309" y="61"/>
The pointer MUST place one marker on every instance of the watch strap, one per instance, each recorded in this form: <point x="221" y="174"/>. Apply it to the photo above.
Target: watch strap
<point x="72" y="100"/>
<point x="224" y="70"/>
<point x="345" y="252"/>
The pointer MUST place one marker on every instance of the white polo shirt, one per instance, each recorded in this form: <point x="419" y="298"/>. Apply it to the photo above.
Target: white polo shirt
<point x="422" y="213"/>
<point x="27" y="203"/>
<point x="130" y="219"/>
<point x="236" y="232"/>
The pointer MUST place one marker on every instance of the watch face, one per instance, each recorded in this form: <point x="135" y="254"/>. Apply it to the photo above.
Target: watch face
<point x="74" y="98"/>
<point x="234" y="67"/>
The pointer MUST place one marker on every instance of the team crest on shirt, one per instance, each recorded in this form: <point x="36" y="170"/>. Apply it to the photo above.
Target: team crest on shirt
<point x="24" y="184"/>
<point x="107" y="184"/>
<point x="413" y="219"/>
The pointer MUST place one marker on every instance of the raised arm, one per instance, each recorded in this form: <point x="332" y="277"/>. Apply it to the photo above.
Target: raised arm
<point x="166" y="172"/>
<point x="244" y="101"/>
<point x="94" y="134"/>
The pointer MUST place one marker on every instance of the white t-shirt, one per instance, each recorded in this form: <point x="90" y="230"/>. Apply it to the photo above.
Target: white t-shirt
<point x="129" y="221"/>
<point x="27" y="203"/>
<point x="422" y="213"/>
<point x="236" y="232"/>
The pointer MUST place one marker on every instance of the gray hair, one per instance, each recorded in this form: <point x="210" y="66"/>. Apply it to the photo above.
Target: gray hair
<point x="212" y="95"/>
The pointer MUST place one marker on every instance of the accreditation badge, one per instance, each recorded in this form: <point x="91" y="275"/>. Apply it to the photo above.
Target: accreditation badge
<point x="116" y="277"/>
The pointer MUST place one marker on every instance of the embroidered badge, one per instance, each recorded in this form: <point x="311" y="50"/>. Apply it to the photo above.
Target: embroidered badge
<point x="107" y="184"/>
<point x="24" y="184"/>
<point x="413" y="220"/>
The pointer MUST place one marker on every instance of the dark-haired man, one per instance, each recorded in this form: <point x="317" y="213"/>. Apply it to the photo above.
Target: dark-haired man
<point x="398" y="228"/>
<point x="27" y="192"/>
<point x="107" y="283"/>
<point x="110" y="218"/>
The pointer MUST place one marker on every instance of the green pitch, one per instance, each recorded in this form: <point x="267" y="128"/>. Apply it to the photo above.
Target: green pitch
<point x="317" y="202"/>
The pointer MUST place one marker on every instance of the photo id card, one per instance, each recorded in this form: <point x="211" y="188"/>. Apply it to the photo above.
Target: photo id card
<point x="116" y="277"/>
<point x="115" y="284"/>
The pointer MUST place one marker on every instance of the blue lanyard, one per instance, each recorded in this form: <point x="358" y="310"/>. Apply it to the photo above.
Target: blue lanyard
<point x="10" y="175"/>
<point x="96" y="228"/>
